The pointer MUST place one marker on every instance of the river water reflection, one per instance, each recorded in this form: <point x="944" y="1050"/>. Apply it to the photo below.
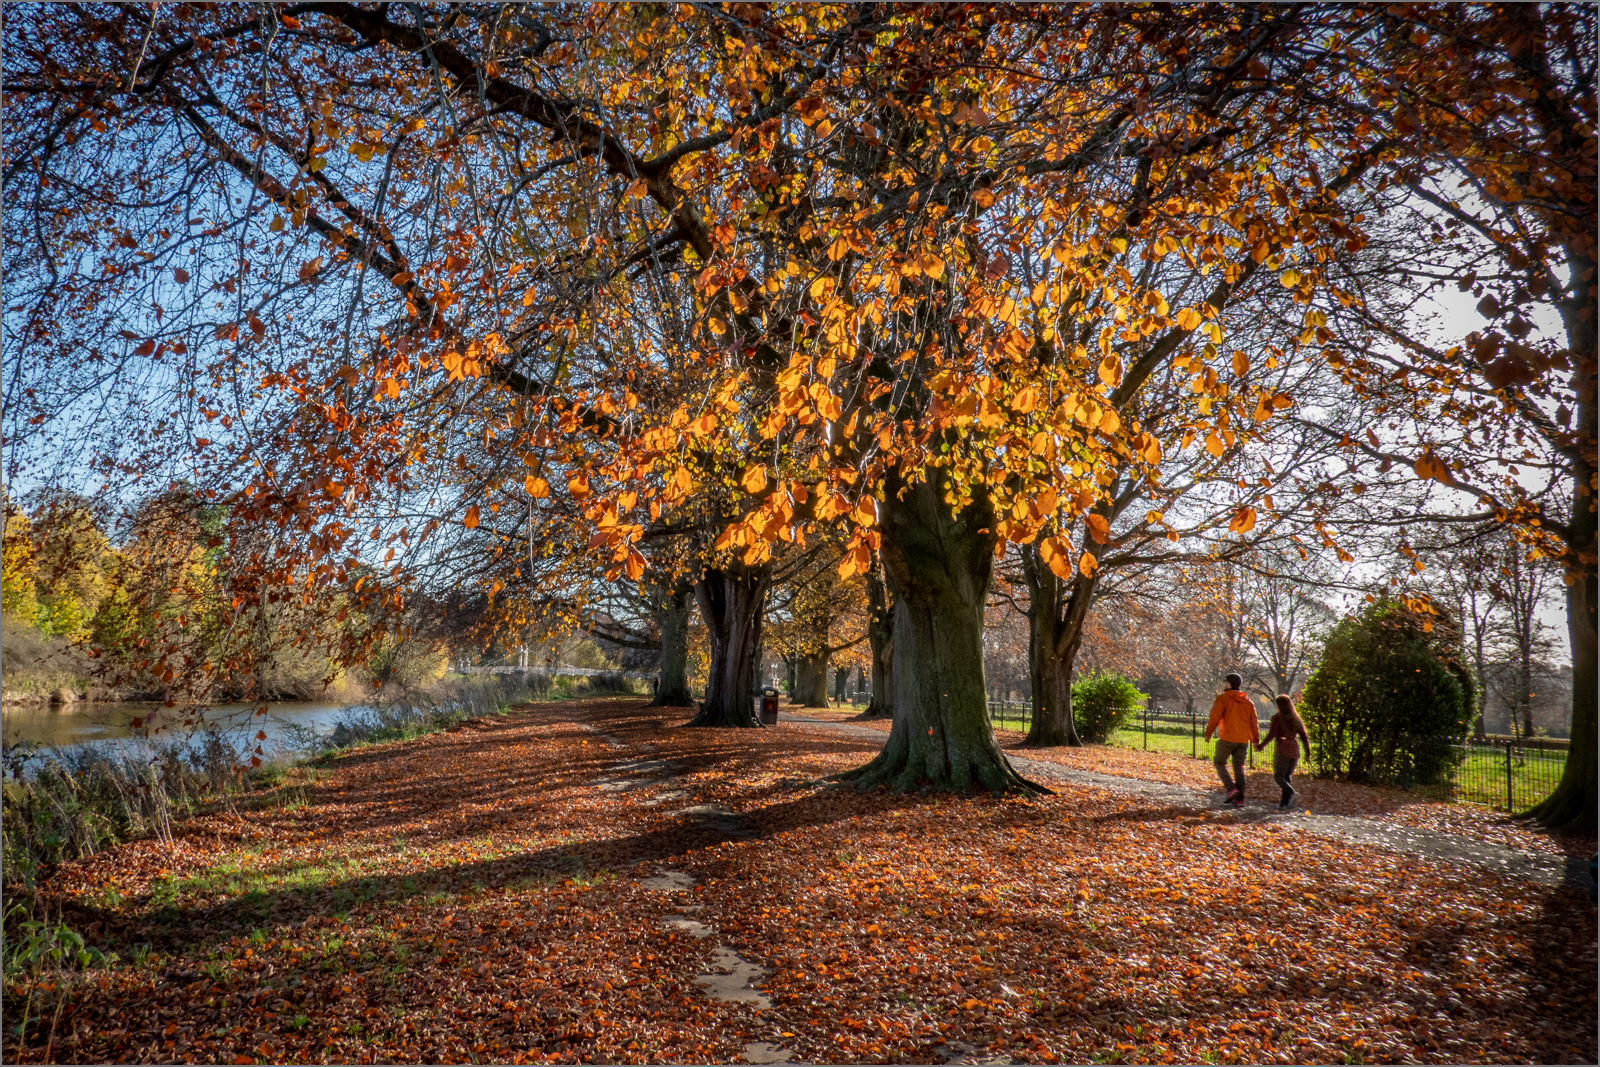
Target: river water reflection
<point x="291" y="726"/>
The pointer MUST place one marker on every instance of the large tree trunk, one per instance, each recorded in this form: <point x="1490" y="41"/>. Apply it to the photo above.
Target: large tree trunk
<point x="732" y="603"/>
<point x="811" y="680"/>
<point x="880" y="636"/>
<point x="1056" y="616"/>
<point x="1573" y="804"/>
<point x="938" y="568"/>
<point x="672" y="617"/>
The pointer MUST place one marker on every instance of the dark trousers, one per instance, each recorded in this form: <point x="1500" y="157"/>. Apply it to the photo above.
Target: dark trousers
<point x="1236" y="750"/>
<point x="1282" y="768"/>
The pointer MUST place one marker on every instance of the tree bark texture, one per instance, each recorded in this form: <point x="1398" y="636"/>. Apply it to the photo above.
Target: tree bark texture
<point x="1573" y="804"/>
<point x="1057" y="612"/>
<point x="938" y="569"/>
<point x="811" y="680"/>
<point x="733" y="603"/>
<point x="880" y="636"/>
<point x="672" y="617"/>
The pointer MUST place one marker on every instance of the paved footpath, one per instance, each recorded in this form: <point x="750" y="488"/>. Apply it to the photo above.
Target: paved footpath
<point x="1540" y="867"/>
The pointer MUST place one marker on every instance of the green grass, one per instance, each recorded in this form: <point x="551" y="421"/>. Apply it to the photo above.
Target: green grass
<point x="1480" y="779"/>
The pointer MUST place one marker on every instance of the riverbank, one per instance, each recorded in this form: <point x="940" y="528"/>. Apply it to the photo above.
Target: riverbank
<point x="592" y="881"/>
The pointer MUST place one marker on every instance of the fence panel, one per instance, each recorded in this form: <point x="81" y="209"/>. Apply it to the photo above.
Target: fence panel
<point x="1504" y="773"/>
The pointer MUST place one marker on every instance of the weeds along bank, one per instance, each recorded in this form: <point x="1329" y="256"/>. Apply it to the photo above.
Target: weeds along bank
<point x="61" y="805"/>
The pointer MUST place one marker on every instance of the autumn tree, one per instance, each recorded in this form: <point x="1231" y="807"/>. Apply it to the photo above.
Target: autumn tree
<point x="815" y="616"/>
<point x="904" y="272"/>
<point x="1487" y="189"/>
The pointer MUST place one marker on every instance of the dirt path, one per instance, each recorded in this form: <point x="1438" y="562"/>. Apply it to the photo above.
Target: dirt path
<point x="1546" y="868"/>
<point x="591" y="881"/>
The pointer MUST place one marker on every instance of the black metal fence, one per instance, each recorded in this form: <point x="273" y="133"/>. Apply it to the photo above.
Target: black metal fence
<point x="1511" y="774"/>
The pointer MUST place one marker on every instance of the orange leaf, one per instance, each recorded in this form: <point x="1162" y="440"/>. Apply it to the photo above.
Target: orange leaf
<point x="1054" y="553"/>
<point x="471" y="521"/>
<point x="1244" y="520"/>
<point x="1111" y="370"/>
<point x="1099" y="528"/>
<point x="1086" y="564"/>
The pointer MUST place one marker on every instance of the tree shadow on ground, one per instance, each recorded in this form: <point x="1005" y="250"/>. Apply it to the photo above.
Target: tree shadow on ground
<point x="677" y="837"/>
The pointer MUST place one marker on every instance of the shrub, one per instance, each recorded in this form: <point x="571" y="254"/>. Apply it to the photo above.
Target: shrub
<point x="1101" y="703"/>
<point x="1390" y="697"/>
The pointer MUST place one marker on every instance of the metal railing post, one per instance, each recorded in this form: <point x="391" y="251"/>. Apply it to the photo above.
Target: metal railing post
<point x="1194" y="736"/>
<point x="1509" y="798"/>
<point x="1147" y="729"/>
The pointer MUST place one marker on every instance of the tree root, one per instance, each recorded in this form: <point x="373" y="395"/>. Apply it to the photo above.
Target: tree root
<point x="719" y="719"/>
<point x="1560" y="812"/>
<point x="902" y="777"/>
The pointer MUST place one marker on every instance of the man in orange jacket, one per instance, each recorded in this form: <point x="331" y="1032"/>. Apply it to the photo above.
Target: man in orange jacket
<point x="1233" y="720"/>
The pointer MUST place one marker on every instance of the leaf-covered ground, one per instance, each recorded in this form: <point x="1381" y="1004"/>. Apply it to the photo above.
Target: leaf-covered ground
<point x="479" y="896"/>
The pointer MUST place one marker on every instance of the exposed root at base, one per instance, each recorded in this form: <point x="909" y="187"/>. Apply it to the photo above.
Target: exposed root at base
<point x="1559" y="814"/>
<point x="715" y="721"/>
<point x="998" y="780"/>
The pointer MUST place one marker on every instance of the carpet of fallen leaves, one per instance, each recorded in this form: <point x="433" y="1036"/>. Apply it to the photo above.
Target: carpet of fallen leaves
<point x="478" y="896"/>
<point x="1323" y="796"/>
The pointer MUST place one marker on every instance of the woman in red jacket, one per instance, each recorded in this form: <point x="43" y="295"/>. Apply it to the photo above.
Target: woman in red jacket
<point x="1289" y="731"/>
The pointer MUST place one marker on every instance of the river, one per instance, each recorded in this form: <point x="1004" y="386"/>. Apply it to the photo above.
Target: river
<point x="290" y="726"/>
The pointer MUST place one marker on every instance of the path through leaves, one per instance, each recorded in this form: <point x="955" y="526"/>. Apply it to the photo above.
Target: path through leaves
<point x="518" y="891"/>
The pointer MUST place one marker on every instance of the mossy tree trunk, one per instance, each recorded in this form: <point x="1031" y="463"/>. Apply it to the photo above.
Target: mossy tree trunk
<point x="672" y="618"/>
<point x="733" y="604"/>
<point x="938" y="569"/>
<point x="811" y="680"/>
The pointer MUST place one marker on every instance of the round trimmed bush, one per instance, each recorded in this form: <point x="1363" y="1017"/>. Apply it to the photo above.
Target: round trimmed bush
<point x="1101" y="703"/>
<point x="1391" y="697"/>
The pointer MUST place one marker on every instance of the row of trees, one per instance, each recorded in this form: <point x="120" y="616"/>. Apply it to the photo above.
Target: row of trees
<point x="535" y="299"/>
<point x="1268" y="617"/>
<point x="136" y="609"/>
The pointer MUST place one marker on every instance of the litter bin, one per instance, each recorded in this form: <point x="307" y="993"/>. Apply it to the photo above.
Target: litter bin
<point x="769" y="707"/>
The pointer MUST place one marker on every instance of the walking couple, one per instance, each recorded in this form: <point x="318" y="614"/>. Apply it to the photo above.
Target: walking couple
<point x="1233" y="720"/>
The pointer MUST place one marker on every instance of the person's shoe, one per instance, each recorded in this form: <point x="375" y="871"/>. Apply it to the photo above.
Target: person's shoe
<point x="1287" y="804"/>
<point x="1283" y="807"/>
<point x="1239" y="801"/>
<point x="1233" y="794"/>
